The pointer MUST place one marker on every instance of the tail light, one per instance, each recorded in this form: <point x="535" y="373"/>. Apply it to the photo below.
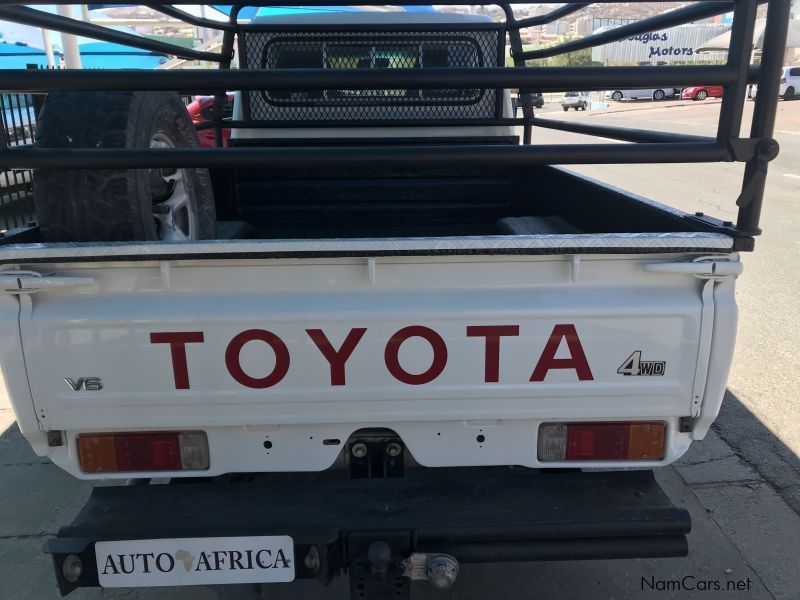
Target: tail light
<point x="783" y="78"/>
<point x="143" y="451"/>
<point x="635" y="440"/>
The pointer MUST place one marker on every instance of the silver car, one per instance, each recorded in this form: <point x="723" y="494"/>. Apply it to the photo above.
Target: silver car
<point x="652" y="94"/>
<point x="576" y="100"/>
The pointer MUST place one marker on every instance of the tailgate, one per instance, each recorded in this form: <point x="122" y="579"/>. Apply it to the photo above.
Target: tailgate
<point x="463" y="357"/>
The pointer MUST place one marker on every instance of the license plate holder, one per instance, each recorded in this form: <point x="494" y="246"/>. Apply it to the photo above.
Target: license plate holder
<point x="195" y="561"/>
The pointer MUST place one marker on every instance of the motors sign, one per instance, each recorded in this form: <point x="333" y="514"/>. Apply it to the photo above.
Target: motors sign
<point x="676" y="44"/>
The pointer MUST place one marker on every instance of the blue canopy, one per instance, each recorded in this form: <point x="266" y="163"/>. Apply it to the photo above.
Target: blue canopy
<point x="19" y="56"/>
<point x="248" y="12"/>
<point x="94" y="55"/>
<point x="105" y="55"/>
<point x="293" y="10"/>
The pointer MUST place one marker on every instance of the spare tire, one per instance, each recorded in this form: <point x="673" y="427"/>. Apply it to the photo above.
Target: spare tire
<point x="104" y="205"/>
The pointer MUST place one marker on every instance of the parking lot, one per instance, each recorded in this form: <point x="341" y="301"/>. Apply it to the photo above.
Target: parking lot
<point x="741" y="485"/>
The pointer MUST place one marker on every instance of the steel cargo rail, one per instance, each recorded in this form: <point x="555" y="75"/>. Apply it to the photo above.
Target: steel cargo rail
<point x="643" y="146"/>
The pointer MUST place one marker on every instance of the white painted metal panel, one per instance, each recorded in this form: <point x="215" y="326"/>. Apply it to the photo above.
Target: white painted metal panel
<point x="615" y="306"/>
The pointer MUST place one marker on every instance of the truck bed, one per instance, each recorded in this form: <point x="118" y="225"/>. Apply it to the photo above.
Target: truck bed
<point x="381" y="203"/>
<point x="342" y="213"/>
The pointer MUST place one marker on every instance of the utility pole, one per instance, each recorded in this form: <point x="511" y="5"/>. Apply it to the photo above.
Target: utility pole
<point x="72" y="56"/>
<point x="48" y="49"/>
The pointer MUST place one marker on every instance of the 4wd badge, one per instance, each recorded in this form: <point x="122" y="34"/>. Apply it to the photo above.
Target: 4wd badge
<point x="634" y="365"/>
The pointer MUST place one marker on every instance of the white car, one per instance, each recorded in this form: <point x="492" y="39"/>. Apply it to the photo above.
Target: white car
<point x="576" y="100"/>
<point x="789" y="84"/>
<point x="652" y="94"/>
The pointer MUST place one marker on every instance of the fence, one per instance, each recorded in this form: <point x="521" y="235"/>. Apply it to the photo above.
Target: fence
<point x="16" y="185"/>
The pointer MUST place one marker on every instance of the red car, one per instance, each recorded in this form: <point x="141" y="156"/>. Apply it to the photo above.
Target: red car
<point x="701" y="92"/>
<point x="201" y="109"/>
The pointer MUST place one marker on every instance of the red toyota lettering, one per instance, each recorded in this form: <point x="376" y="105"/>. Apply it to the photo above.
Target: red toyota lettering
<point x="177" y="341"/>
<point x="337" y="358"/>
<point x="392" y="361"/>
<point x="576" y="361"/>
<point x="492" y="335"/>
<point x="278" y="347"/>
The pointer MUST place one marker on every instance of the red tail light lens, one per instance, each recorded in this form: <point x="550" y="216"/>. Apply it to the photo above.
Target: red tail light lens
<point x="636" y="440"/>
<point x="143" y="451"/>
<point x="607" y="441"/>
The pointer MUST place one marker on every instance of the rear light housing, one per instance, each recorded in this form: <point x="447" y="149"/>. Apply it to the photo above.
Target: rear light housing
<point x="602" y="441"/>
<point x="783" y="78"/>
<point x="129" y="452"/>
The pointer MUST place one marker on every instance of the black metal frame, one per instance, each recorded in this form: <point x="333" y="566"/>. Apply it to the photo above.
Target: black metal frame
<point x="490" y="516"/>
<point x="450" y="33"/>
<point x="647" y="146"/>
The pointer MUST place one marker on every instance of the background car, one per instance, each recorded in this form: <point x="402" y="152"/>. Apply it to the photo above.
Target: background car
<point x="201" y="109"/>
<point x="516" y="102"/>
<point x="701" y="92"/>
<point x="654" y="94"/>
<point x="576" y="100"/>
<point x="789" y="84"/>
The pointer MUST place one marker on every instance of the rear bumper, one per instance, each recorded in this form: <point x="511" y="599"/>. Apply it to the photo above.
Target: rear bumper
<point x="558" y="516"/>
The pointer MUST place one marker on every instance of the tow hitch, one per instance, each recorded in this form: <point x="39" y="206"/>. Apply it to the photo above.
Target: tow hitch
<point x="380" y="576"/>
<point x="440" y="570"/>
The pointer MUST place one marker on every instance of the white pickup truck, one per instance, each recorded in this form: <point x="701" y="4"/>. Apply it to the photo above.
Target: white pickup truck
<point x="400" y="354"/>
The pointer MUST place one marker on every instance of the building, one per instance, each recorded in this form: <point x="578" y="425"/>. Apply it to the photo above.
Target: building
<point x="582" y="26"/>
<point x="555" y="28"/>
<point x="673" y="45"/>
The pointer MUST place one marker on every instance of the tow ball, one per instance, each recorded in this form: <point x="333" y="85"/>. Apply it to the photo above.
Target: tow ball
<point x="382" y="576"/>
<point x="440" y="570"/>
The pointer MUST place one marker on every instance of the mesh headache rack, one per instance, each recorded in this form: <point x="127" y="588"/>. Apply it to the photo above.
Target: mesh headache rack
<point x="416" y="74"/>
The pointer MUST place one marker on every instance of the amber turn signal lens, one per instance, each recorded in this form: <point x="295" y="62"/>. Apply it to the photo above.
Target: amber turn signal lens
<point x="97" y="453"/>
<point x="646" y="441"/>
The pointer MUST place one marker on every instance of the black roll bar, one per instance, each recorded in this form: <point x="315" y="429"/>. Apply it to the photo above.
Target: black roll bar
<point x="763" y="124"/>
<point x="543" y="79"/>
<point x="341" y="156"/>
<point x="643" y="146"/>
<point x="733" y="97"/>
<point x="625" y="134"/>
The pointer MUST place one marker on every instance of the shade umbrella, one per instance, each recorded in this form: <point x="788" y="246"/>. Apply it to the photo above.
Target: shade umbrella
<point x="723" y="41"/>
